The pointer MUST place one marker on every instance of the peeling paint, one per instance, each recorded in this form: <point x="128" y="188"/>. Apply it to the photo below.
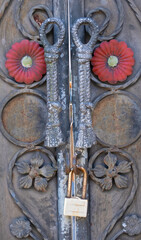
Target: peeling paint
<point x="64" y="222"/>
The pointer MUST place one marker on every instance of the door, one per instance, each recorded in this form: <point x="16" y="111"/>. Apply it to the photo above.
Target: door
<point x="35" y="135"/>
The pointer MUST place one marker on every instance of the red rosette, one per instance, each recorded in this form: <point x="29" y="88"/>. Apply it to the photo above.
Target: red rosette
<point x="113" y="61"/>
<point x="25" y="62"/>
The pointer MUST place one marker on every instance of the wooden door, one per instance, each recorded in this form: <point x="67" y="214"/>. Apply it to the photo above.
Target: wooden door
<point x="34" y="171"/>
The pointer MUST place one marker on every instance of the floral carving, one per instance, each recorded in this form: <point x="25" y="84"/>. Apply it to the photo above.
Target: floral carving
<point x="25" y="62"/>
<point x="132" y="225"/>
<point x="113" y="61"/>
<point x="36" y="173"/>
<point x="20" y="227"/>
<point x="112" y="170"/>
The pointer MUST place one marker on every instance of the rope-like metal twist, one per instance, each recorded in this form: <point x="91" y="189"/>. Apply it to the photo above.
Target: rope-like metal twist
<point x="54" y="136"/>
<point x="86" y="137"/>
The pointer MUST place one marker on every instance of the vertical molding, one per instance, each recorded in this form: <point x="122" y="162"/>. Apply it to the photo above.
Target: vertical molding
<point x="64" y="223"/>
<point x="77" y="11"/>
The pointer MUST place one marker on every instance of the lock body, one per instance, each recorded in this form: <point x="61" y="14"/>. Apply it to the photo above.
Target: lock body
<point x="75" y="206"/>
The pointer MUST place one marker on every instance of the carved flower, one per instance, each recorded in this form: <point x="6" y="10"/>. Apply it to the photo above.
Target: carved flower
<point x="132" y="225"/>
<point x="36" y="173"/>
<point x="20" y="227"/>
<point x="113" y="61"/>
<point x="112" y="170"/>
<point x="25" y="62"/>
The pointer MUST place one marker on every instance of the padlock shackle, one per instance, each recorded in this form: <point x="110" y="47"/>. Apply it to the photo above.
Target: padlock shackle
<point x="84" y="189"/>
<point x="69" y="184"/>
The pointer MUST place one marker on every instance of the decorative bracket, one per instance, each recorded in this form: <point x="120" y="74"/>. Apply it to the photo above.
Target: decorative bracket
<point x="54" y="136"/>
<point x="86" y="137"/>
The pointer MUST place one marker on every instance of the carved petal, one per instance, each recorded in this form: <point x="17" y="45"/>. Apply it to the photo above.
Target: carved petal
<point x="132" y="225"/>
<point x="25" y="182"/>
<point x="99" y="171"/>
<point x="47" y="171"/>
<point x="124" y="167"/>
<point x="40" y="184"/>
<point x="106" y="183"/>
<point x="23" y="167"/>
<point x="110" y="160"/>
<point x="121" y="181"/>
<point x="20" y="227"/>
<point x="37" y="162"/>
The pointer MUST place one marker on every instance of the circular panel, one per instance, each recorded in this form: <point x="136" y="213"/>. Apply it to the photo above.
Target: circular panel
<point x="23" y="117"/>
<point x="117" y="119"/>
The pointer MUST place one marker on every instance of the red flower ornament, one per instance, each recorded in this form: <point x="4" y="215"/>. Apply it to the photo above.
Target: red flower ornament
<point x="113" y="61"/>
<point x="25" y="62"/>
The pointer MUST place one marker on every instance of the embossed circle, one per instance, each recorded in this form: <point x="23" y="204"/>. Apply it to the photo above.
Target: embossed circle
<point x="23" y="117"/>
<point x="117" y="118"/>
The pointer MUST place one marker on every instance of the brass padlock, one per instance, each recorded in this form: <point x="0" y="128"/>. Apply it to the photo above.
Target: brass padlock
<point x="75" y="206"/>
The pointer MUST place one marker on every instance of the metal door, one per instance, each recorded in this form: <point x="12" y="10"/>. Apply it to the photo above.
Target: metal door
<point x="35" y="137"/>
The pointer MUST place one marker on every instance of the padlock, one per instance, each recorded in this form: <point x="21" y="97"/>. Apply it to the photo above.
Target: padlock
<point x="75" y="206"/>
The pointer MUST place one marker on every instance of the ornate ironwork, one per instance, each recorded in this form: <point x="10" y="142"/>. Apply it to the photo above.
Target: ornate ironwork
<point x="54" y="136"/>
<point x="112" y="170"/>
<point x="13" y="163"/>
<point x="26" y="34"/>
<point x="35" y="171"/>
<point x="107" y="19"/>
<point x="86" y="136"/>
<point x="131" y="196"/>
<point x="20" y="228"/>
<point x="131" y="226"/>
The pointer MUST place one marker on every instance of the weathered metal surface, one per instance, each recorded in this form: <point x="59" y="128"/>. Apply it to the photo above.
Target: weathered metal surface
<point x="112" y="174"/>
<point x="86" y="136"/>
<point x="123" y="111"/>
<point x="131" y="225"/>
<point x="64" y="223"/>
<point x="37" y="207"/>
<point x="73" y="205"/>
<point x="40" y="205"/>
<point x="123" y="24"/>
<point x="116" y="118"/>
<point x="21" y="228"/>
<point x="54" y="136"/>
<point x="23" y="117"/>
<point x="26" y="33"/>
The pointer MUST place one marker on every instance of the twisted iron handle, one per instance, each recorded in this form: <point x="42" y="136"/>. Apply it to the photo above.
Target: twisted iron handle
<point x="54" y="136"/>
<point x="86" y="137"/>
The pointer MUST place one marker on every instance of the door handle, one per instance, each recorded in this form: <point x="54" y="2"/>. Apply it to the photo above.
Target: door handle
<point x="85" y="137"/>
<point x="54" y="136"/>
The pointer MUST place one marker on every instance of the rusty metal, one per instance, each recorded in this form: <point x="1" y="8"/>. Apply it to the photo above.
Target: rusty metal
<point x="69" y="184"/>
<point x="71" y="178"/>
<point x="84" y="189"/>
